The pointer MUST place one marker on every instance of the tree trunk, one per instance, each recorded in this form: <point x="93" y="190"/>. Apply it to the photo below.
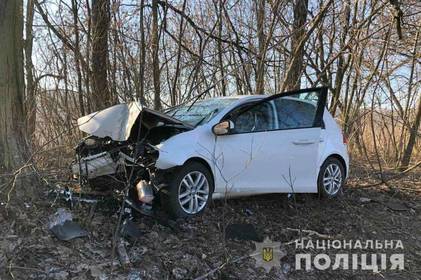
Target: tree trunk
<point x="100" y="26"/>
<point x="220" y="49"/>
<point x="293" y="78"/>
<point x="260" y="69"/>
<point x="30" y="104"/>
<point x="77" y="58"/>
<point x="406" y="158"/>
<point x="155" y="57"/>
<point x="142" y="56"/>
<point x="12" y="118"/>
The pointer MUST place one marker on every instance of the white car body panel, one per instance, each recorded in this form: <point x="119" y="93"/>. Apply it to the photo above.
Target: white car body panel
<point x="268" y="162"/>
<point x="260" y="162"/>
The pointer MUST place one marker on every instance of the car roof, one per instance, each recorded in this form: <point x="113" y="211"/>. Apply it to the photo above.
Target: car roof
<point x="255" y="96"/>
<point x="243" y="98"/>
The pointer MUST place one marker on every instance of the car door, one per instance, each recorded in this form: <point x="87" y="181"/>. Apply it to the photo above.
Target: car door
<point x="273" y="146"/>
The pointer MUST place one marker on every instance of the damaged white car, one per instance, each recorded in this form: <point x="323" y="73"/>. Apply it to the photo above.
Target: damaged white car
<point x="228" y="146"/>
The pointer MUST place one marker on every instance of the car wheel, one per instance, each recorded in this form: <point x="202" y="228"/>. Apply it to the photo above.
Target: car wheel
<point x="331" y="178"/>
<point x="189" y="192"/>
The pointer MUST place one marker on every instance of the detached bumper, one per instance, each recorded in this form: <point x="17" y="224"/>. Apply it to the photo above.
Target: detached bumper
<point x="94" y="166"/>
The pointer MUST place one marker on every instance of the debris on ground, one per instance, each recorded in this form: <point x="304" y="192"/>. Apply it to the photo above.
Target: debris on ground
<point x="189" y="249"/>
<point x="122" y="253"/>
<point x="62" y="225"/>
<point x="365" y="200"/>
<point x="130" y="229"/>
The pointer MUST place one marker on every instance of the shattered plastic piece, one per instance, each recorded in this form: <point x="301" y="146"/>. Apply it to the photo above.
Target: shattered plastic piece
<point x="63" y="227"/>
<point x="248" y="212"/>
<point x="69" y="230"/>
<point x="59" y="217"/>
<point x="365" y="199"/>
<point x="142" y="208"/>
<point x="242" y="232"/>
<point x="130" y="229"/>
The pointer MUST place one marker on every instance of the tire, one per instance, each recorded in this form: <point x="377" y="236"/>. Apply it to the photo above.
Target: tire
<point x="189" y="192"/>
<point x="331" y="178"/>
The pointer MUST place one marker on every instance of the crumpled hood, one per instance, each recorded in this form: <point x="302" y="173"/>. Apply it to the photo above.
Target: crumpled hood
<point x="117" y="121"/>
<point x="114" y="122"/>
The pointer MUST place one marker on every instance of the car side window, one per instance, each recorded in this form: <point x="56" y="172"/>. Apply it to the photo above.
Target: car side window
<point x="295" y="113"/>
<point x="260" y="117"/>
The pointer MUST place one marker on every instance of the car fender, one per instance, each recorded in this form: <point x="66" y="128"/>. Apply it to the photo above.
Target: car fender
<point x="330" y="148"/>
<point x="175" y="151"/>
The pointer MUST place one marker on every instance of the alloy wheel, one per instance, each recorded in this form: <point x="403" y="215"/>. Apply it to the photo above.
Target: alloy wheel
<point x="193" y="192"/>
<point x="332" y="179"/>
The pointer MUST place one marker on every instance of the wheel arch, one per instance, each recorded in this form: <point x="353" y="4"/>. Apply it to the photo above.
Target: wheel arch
<point x="206" y="164"/>
<point x="341" y="160"/>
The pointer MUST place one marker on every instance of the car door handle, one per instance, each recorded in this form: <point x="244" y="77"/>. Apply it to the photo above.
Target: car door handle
<point x="303" y="142"/>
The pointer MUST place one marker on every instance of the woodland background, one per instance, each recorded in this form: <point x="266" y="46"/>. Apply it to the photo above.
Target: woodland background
<point x="81" y="56"/>
<point x="61" y="59"/>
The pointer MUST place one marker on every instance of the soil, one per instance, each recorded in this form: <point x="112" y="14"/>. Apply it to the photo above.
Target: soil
<point x="199" y="247"/>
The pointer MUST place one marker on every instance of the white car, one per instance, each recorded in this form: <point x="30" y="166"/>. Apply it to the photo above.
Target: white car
<point x="227" y="146"/>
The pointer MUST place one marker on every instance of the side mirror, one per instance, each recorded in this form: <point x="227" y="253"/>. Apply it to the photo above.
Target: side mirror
<point x="223" y="128"/>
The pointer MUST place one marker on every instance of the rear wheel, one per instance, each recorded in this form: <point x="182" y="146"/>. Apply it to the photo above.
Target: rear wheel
<point x="331" y="178"/>
<point x="189" y="192"/>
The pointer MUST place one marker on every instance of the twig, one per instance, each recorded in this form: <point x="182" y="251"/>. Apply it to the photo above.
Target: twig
<point x="397" y="176"/>
<point x="13" y="181"/>
<point x="311" y="232"/>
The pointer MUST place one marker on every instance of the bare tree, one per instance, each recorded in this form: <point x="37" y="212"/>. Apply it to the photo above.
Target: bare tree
<point x="293" y="77"/>
<point x="12" y="120"/>
<point x="155" y="56"/>
<point x="30" y="105"/>
<point x="260" y="68"/>
<point x="100" y="26"/>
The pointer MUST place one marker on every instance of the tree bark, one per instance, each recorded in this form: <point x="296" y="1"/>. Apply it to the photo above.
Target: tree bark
<point x="30" y="104"/>
<point x="12" y="118"/>
<point x="297" y="47"/>
<point x="100" y="25"/>
<point x="220" y="50"/>
<point x="413" y="133"/>
<point x="261" y="54"/>
<point x="142" y="54"/>
<point x="155" y="57"/>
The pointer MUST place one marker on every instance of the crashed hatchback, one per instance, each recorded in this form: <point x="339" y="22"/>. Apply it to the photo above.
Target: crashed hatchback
<point x="219" y="147"/>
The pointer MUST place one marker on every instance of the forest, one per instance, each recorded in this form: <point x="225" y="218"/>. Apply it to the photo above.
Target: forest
<point x="64" y="59"/>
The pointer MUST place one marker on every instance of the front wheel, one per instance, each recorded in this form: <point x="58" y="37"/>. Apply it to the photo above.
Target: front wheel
<point x="189" y="192"/>
<point x="331" y="178"/>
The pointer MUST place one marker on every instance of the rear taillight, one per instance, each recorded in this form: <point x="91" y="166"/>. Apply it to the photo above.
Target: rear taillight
<point x="344" y="138"/>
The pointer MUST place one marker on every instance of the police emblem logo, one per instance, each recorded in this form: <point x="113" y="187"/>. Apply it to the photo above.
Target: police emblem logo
<point x="267" y="254"/>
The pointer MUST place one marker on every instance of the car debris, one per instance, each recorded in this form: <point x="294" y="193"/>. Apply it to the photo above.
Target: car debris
<point x="122" y="253"/>
<point x="130" y="229"/>
<point x="365" y="199"/>
<point x="248" y="212"/>
<point x="120" y="151"/>
<point x="62" y="226"/>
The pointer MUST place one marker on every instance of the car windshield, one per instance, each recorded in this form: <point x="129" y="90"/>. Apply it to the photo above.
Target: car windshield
<point x="201" y="112"/>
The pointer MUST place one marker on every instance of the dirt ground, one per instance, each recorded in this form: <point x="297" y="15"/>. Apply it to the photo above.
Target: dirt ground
<point x="199" y="247"/>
